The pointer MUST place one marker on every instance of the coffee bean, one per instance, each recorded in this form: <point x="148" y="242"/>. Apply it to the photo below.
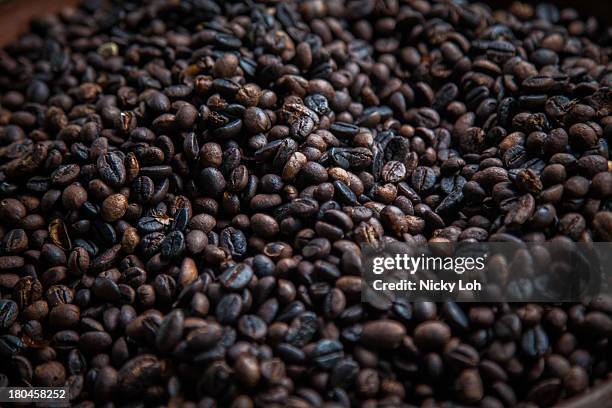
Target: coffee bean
<point x="431" y="335"/>
<point x="10" y="345"/>
<point x="598" y="323"/>
<point x="462" y="356"/>
<point x="65" y="174"/>
<point x="601" y="183"/>
<point x="106" y="383"/>
<point x="455" y="316"/>
<point x="173" y="244"/>
<point x="138" y="373"/>
<point x="534" y="342"/>
<point x="469" y="387"/>
<point x="204" y="337"/>
<point x="225" y="66"/>
<point x="236" y="277"/>
<point x="12" y="210"/>
<point x="572" y="224"/>
<point x="8" y="313"/>
<point x="157" y="101"/>
<point x="228" y="308"/>
<point x="114" y="207"/>
<point x="256" y="120"/>
<point x="64" y="316"/>
<point x="546" y="392"/>
<point x="301" y="330"/>
<point x="50" y="374"/>
<point x="95" y="342"/>
<point x="576" y="380"/>
<point x="11" y="262"/>
<point x="602" y="224"/>
<point x="252" y="327"/>
<point x="582" y="136"/>
<point x="74" y="196"/>
<point x="111" y="169"/>
<point x="327" y="353"/>
<point x="212" y="182"/>
<point x="385" y="334"/>
<point x="248" y="370"/>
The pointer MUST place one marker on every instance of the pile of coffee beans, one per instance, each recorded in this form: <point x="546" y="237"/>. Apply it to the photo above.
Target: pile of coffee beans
<point x="185" y="187"/>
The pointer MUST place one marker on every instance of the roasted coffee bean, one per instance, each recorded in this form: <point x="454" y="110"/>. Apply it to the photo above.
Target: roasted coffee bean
<point x="461" y="356"/>
<point x="236" y="277"/>
<point x="385" y="334"/>
<point x="204" y="337"/>
<point x="74" y="196"/>
<point x="423" y="179"/>
<point x="138" y="373"/>
<point x="114" y="207"/>
<point x="252" y="327"/>
<point x="50" y="374"/>
<point x="256" y="120"/>
<point x="64" y="316"/>
<point x="143" y="189"/>
<point x="534" y="342"/>
<point x="173" y="244"/>
<point x="228" y="308"/>
<point x="302" y="329"/>
<point x="455" y="316"/>
<point x="10" y="345"/>
<point x="327" y="353"/>
<point x="170" y="331"/>
<point x="468" y="386"/>
<point x="8" y="313"/>
<point x="111" y="169"/>
<point x="12" y="210"/>
<point x="431" y="335"/>
<point x="576" y="380"/>
<point x="211" y="182"/>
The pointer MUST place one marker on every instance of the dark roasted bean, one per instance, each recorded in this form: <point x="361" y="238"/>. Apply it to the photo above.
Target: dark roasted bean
<point x="383" y="334"/>
<point x="8" y="313"/>
<point x="236" y="277"/>
<point x="111" y="169"/>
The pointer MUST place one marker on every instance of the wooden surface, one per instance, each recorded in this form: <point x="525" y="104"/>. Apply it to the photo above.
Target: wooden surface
<point x="16" y="14"/>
